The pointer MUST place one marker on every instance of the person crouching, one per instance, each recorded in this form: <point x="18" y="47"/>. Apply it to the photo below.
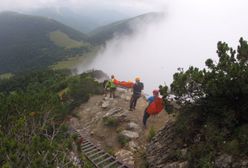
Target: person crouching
<point x="150" y="100"/>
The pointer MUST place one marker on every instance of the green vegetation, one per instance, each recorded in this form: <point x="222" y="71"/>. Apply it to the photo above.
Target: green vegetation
<point x="6" y="76"/>
<point x="33" y="128"/>
<point x="74" y="61"/>
<point x="26" y="45"/>
<point x="123" y="140"/>
<point x="68" y="63"/>
<point x="151" y="134"/>
<point x="110" y="121"/>
<point x="63" y="40"/>
<point x="214" y="108"/>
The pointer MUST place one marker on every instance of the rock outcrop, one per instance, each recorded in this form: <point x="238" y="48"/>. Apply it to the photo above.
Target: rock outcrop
<point x="165" y="152"/>
<point x="126" y="157"/>
<point x="161" y="150"/>
<point x="130" y="134"/>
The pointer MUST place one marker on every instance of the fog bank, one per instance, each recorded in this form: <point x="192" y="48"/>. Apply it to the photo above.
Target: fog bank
<point x="187" y="35"/>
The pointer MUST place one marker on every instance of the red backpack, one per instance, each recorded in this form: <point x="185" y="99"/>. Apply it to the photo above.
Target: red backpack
<point x="156" y="106"/>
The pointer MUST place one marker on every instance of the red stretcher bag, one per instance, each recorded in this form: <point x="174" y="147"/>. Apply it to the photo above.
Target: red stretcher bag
<point x="156" y="106"/>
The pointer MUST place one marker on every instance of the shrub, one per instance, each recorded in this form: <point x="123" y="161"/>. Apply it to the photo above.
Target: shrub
<point x="123" y="140"/>
<point x="110" y="121"/>
<point x="151" y="134"/>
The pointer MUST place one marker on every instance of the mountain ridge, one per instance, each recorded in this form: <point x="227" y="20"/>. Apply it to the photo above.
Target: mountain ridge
<point x="122" y="27"/>
<point x="25" y="42"/>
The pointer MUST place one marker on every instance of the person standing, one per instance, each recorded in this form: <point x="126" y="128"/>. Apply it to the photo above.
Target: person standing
<point x="137" y="89"/>
<point x="150" y="100"/>
<point x="111" y="86"/>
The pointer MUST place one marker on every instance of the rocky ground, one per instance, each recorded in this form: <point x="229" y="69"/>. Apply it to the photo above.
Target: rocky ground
<point x="120" y="132"/>
<point x="108" y="123"/>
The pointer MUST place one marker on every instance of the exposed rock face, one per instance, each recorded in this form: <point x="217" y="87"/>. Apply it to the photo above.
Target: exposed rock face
<point x="162" y="146"/>
<point x="112" y="112"/>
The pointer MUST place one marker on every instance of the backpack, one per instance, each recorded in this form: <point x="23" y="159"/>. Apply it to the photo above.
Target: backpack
<point x="156" y="106"/>
<point x="137" y="88"/>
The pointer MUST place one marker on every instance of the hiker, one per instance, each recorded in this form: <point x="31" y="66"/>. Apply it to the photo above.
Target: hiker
<point x="137" y="89"/>
<point x="155" y="106"/>
<point x="111" y="86"/>
<point x="105" y="90"/>
<point x="149" y="100"/>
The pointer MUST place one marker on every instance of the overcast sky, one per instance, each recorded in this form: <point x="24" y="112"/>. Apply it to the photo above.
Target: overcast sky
<point x="145" y="5"/>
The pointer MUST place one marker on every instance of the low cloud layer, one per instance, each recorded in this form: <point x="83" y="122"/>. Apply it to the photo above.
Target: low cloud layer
<point x="186" y="36"/>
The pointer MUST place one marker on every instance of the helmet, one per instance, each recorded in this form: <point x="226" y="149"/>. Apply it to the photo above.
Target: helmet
<point x="137" y="79"/>
<point x="155" y="92"/>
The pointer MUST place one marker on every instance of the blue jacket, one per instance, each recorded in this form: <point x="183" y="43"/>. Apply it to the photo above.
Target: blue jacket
<point x="150" y="99"/>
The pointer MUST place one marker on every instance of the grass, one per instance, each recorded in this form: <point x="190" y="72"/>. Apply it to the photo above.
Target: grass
<point x="110" y="121"/>
<point x="69" y="63"/>
<point x="63" y="40"/>
<point x="75" y="61"/>
<point x="151" y="134"/>
<point x="6" y="75"/>
<point x="123" y="141"/>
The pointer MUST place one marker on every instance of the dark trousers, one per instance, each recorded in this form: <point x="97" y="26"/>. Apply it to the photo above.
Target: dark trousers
<point x="112" y="92"/>
<point x="133" y="101"/>
<point x="145" y="117"/>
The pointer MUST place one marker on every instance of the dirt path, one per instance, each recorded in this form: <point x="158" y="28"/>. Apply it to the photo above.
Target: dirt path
<point x="91" y="116"/>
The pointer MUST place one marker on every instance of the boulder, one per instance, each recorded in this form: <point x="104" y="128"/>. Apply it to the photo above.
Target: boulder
<point x="224" y="161"/>
<point x="126" y="157"/>
<point x="105" y="104"/>
<point x="130" y="134"/>
<point x="133" y="126"/>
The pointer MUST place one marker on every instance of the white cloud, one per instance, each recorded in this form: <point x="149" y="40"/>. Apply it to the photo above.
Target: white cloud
<point x="187" y="36"/>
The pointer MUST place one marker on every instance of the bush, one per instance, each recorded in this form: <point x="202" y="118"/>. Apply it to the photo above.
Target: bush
<point x="123" y="140"/>
<point x="110" y="121"/>
<point x="80" y="89"/>
<point x="151" y="134"/>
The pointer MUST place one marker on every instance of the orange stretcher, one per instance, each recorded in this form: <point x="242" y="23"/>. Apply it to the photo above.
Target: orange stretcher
<point x="123" y="84"/>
